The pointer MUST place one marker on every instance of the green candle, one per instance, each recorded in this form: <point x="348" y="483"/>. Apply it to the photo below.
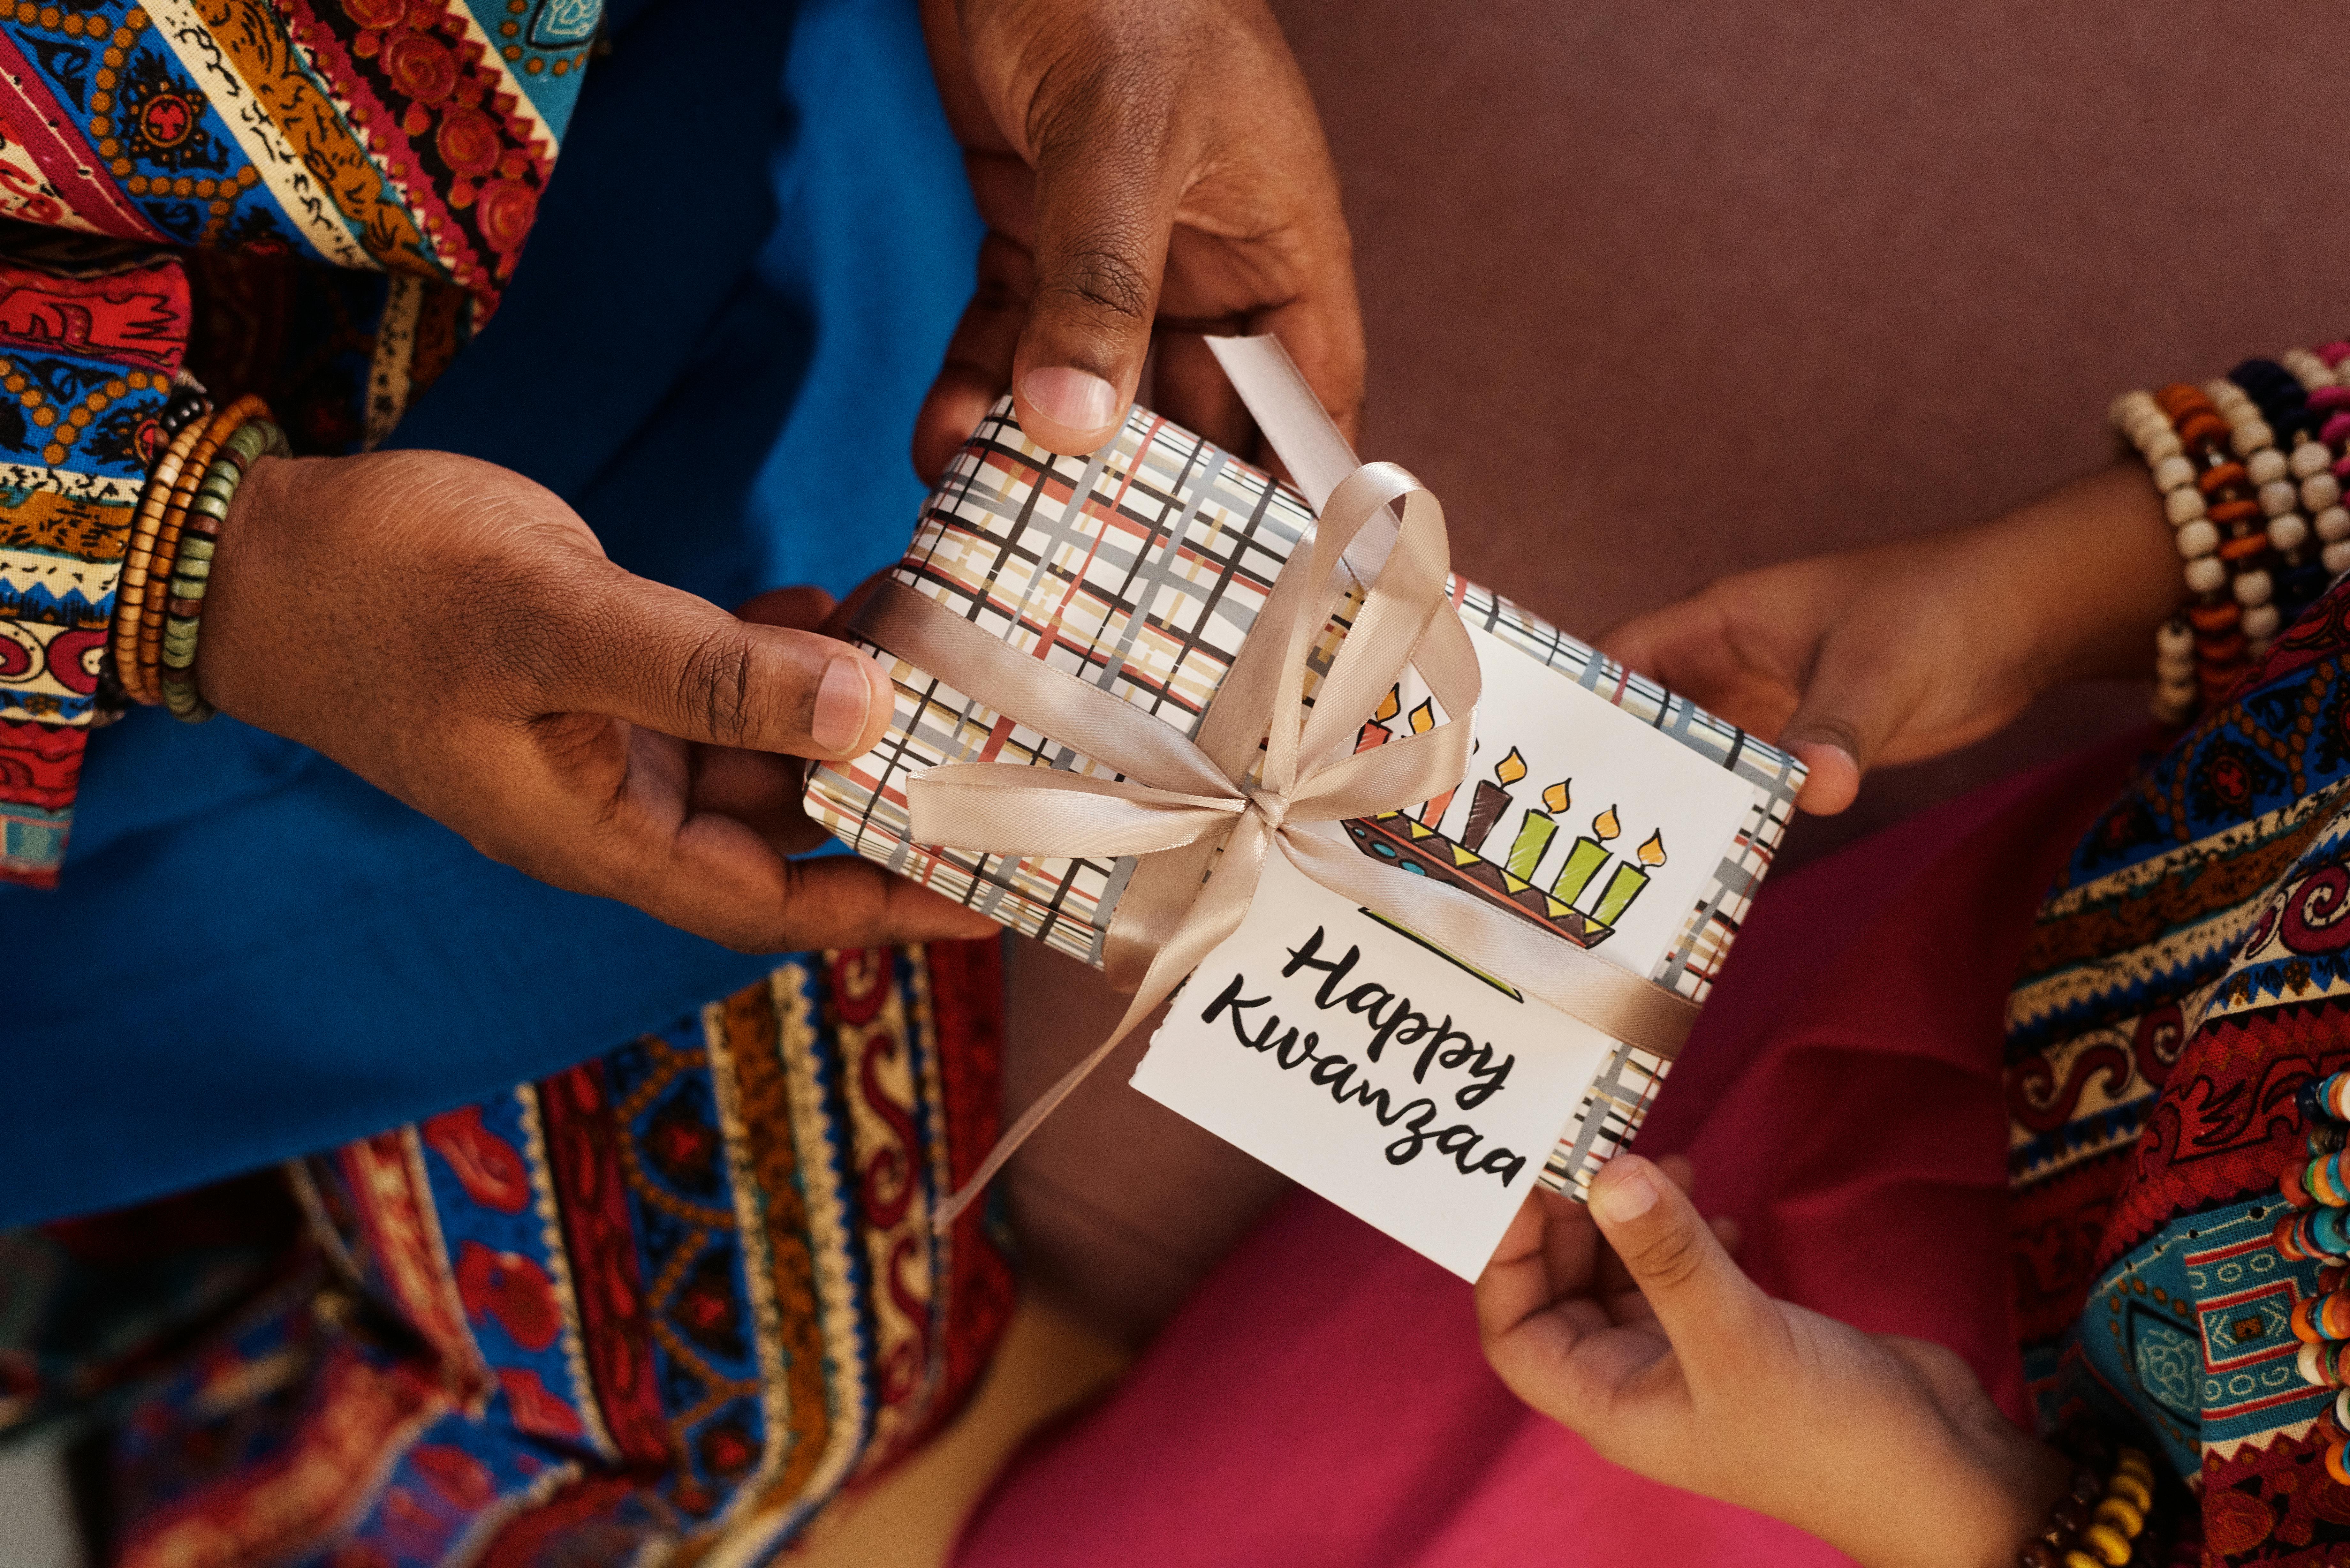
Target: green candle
<point x="1622" y="888"/>
<point x="1532" y="840"/>
<point x="1583" y="863"/>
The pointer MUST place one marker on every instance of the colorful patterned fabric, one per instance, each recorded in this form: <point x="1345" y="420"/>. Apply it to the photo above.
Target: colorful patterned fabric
<point x="672" y="1300"/>
<point x="353" y="182"/>
<point x="2190" y="970"/>
<point x="1140" y="569"/>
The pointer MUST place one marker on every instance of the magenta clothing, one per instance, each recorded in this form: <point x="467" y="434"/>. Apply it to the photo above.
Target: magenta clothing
<point x="1321" y="1400"/>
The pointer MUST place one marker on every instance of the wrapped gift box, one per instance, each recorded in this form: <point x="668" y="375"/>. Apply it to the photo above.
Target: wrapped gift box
<point x="1141" y="569"/>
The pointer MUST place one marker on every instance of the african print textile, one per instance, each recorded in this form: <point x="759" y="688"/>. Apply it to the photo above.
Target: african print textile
<point x="1140" y="569"/>
<point x="318" y="202"/>
<point x="664" y="1306"/>
<point x="2188" y="973"/>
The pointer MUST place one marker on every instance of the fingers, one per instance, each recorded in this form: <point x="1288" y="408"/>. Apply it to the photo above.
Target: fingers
<point x="721" y="882"/>
<point x="1108" y="179"/>
<point x="1713" y="1313"/>
<point x="663" y="658"/>
<point x="1535" y="1264"/>
<point x="978" y="366"/>
<point x="1848" y="711"/>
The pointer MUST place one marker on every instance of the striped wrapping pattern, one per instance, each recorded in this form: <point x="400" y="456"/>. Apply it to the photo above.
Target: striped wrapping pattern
<point x="1141" y="569"/>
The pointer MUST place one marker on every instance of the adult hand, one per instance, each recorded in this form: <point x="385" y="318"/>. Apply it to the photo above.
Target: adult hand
<point x="1628" y="1322"/>
<point x="1907" y="650"/>
<point x="1145" y="167"/>
<point x="452" y="633"/>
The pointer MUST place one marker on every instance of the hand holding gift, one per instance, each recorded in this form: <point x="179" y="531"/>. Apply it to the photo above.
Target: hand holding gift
<point x="1124" y="629"/>
<point x="1629" y="1321"/>
<point x="1904" y="651"/>
<point x="1139" y="168"/>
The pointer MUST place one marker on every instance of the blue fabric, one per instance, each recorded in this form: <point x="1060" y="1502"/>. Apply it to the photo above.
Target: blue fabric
<point x="714" y="348"/>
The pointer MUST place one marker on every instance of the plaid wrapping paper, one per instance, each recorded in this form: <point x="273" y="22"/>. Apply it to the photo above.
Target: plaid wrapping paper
<point x="1141" y="568"/>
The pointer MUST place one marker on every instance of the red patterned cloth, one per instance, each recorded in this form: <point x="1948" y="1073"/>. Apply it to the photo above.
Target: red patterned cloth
<point x="320" y="203"/>
<point x="687" y="1292"/>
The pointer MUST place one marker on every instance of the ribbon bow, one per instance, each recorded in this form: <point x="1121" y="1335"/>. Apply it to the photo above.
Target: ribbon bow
<point x="1203" y="814"/>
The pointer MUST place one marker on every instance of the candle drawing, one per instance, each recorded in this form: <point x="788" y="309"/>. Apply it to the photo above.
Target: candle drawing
<point x="1423" y="719"/>
<point x="1491" y="799"/>
<point x="1375" y="732"/>
<point x="1629" y="880"/>
<point x="1583" y="861"/>
<point x="1535" y="834"/>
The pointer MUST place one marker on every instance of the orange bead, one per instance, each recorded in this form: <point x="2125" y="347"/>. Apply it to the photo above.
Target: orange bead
<point x="2204" y="428"/>
<point x="2226" y="514"/>
<point x="2337" y="1456"/>
<point x="2215" y="479"/>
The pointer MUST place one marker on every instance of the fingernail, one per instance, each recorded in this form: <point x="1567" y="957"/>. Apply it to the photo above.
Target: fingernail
<point x="1071" y="398"/>
<point x="841" y="703"/>
<point x="1627" y="1198"/>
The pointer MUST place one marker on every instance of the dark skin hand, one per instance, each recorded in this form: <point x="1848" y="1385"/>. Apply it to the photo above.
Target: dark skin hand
<point x="1906" y="651"/>
<point x="1105" y="139"/>
<point x="453" y="633"/>
<point x="1629" y="1321"/>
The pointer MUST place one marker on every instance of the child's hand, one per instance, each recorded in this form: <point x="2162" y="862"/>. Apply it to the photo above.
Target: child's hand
<point x="1641" y="1334"/>
<point x="1907" y="650"/>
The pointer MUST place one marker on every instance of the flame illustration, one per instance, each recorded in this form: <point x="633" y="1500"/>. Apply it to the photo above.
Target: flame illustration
<point x="1652" y="853"/>
<point x="1423" y="718"/>
<point x="1510" y="769"/>
<point x="1556" y="798"/>
<point x="1389" y="705"/>
<point x="1605" y="827"/>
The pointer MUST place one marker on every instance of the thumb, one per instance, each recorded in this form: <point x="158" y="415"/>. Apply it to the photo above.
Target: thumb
<point x="1710" y="1311"/>
<point x="1848" y="711"/>
<point x="657" y="655"/>
<point x="1108" y="186"/>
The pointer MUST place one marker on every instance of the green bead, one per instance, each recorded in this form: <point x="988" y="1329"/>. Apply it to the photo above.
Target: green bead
<point x="251" y="436"/>
<point x="195" y="568"/>
<point x="188" y="589"/>
<point x="211" y="506"/>
<point x="197" y="546"/>
<point x="224" y="485"/>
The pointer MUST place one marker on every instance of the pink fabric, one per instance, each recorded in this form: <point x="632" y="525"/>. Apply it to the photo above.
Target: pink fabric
<point x="1321" y="1400"/>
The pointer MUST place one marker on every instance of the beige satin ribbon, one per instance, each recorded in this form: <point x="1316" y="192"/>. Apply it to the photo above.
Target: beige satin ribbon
<point x="1178" y="802"/>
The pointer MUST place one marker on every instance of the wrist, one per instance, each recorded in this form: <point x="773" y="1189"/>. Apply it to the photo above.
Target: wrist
<point x="2093" y="572"/>
<point x="243" y="614"/>
<point x="1965" y="1496"/>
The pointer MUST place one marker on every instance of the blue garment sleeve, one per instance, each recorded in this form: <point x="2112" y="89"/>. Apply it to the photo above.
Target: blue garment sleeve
<point x="742" y="281"/>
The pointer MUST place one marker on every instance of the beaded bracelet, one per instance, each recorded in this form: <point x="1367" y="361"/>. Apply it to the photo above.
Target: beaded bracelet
<point x="2258" y="585"/>
<point x="2295" y="477"/>
<point x="2105" y="1518"/>
<point x="154" y="612"/>
<point x="130" y="592"/>
<point x="2316" y="1225"/>
<point x="2332" y="520"/>
<point x="2191" y="473"/>
<point x="192" y="567"/>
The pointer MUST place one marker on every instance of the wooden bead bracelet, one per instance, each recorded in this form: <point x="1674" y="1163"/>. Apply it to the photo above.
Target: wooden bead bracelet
<point x="207" y="508"/>
<point x="2105" y="1518"/>
<point x="138" y="576"/>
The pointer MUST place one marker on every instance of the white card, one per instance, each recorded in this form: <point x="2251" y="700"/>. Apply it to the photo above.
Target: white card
<point x="1395" y="1079"/>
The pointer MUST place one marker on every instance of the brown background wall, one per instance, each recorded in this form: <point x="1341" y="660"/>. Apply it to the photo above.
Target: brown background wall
<point x="1659" y="291"/>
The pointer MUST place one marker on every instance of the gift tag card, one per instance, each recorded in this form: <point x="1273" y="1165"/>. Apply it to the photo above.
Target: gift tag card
<point x="1404" y="1083"/>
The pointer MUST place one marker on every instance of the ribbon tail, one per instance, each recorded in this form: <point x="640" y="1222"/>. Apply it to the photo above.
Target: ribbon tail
<point x="1222" y="904"/>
